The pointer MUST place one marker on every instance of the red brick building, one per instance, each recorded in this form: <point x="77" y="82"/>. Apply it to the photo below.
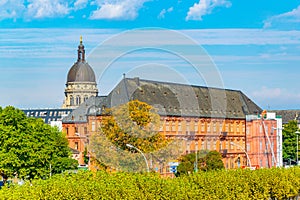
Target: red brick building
<point x="264" y="140"/>
<point x="206" y="118"/>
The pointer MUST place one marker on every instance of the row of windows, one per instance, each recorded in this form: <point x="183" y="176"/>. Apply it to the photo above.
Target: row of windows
<point x="45" y="113"/>
<point x="77" y="100"/>
<point x="213" y="145"/>
<point x="203" y="127"/>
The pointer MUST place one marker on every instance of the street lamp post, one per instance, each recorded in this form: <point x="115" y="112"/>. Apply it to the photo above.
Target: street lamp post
<point x="196" y="162"/>
<point x="131" y="146"/>
<point x="249" y="162"/>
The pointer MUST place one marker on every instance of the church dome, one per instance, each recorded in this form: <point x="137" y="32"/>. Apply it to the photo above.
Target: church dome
<point x="81" y="71"/>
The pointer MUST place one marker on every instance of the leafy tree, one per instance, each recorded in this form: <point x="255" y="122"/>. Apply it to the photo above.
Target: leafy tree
<point x="289" y="144"/>
<point x="212" y="161"/>
<point x="29" y="147"/>
<point x="134" y="123"/>
<point x="207" y="161"/>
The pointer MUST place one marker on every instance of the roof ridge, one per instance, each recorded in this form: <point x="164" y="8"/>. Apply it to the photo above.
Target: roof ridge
<point x="181" y="84"/>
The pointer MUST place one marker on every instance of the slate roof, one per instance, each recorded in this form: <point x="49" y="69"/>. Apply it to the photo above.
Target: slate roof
<point x="172" y="99"/>
<point x="288" y="115"/>
<point x="91" y="105"/>
<point x="81" y="71"/>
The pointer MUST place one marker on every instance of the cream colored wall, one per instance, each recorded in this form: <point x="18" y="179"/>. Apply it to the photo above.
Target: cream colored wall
<point x="81" y="89"/>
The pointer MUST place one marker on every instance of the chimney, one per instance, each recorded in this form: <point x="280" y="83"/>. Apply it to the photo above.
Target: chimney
<point x="137" y="80"/>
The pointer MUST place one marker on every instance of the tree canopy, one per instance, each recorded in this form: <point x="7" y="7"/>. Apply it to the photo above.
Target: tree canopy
<point x="289" y="144"/>
<point x="29" y="148"/>
<point x="207" y="161"/>
<point x="134" y="123"/>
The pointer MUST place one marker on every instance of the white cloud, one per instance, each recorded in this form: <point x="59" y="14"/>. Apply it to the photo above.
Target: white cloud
<point x="47" y="8"/>
<point x="11" y="9"/>
<point x="244" y="36"/>
<point x="276" y="97"/>
<point x="36" y="9"/>
<point x="163" y="12"/>
<point x="117" y="9"/>
<point x="205" y="7"/>
<point x="288" y="20"/>
<point x="79" y="4"/>
<point x="269" y="93"/>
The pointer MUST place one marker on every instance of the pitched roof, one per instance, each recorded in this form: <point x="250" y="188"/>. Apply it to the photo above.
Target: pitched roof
<point x="91" y="105"/>
<point x="288" y="115"/>
<point x="172" y="99"/>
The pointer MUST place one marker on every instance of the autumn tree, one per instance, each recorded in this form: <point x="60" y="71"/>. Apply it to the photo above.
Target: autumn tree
<point x="28" y="146"/>
<point x="289" y="144"/>
<point x="135" y="123"/>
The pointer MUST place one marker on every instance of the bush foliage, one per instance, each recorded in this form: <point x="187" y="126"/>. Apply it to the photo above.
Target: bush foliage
<point x="274" y="183"/>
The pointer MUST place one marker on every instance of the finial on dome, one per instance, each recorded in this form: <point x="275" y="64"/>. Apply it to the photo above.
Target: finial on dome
<point x="81" y="51"/>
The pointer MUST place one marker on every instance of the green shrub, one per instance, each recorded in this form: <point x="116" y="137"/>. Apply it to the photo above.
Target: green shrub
<point x="276" y="183"/>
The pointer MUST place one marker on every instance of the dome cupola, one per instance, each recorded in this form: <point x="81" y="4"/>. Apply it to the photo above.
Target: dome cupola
<point x="81" y="71"/>
<point x="81" y="81"/>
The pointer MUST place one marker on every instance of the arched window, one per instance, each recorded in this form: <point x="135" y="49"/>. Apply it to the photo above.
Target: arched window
<point x="71" y="100"/>
<point x="78" y="100"/>
<point x="85" y="98"/>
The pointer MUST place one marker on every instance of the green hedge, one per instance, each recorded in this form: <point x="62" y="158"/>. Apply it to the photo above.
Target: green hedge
<point x="232" y="184"/>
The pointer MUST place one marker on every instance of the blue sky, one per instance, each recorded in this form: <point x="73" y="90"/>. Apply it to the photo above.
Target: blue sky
<point x="255" y="45"/>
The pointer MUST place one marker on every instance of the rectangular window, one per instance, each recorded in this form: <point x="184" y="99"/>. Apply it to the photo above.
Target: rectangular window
<point x="196" y="126"/>
<point x="215" y="127"/>
<point x="179" y="126"/>
<point x="248" y="147"/>
<point x="187" y="128"/>
<point x="260" y="145"/>
<point x="202" y="145"/>
<point x="208" y="127"/>
<point x="215" y="145"/>
<point x="208" y="145"/>
<point x="167" y="126"/>
<point x="76" y="145"/>
<point x="226" y="128"/>
<point x="173" y="125"/>
<point x="238" y="128"/>
<point x="260" y="128"/>
<point x="202" y="127"/>
<point x="93" y="126"/>
<point x="248" y="131"/>
<point x="188" y="147"/>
